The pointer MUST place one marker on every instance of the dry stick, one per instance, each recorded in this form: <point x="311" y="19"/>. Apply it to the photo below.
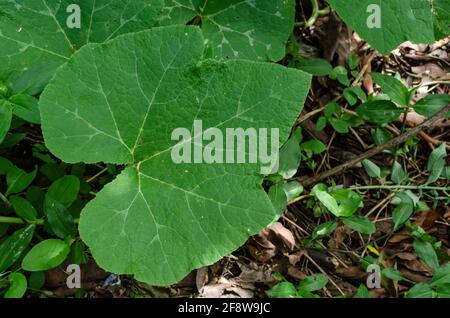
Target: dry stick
<point x="306" y="182"/>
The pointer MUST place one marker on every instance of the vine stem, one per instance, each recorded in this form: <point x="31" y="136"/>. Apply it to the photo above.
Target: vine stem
<point x="4" y="199"/>
<point x="316" y="12"/>
<point x="394" y="187"/>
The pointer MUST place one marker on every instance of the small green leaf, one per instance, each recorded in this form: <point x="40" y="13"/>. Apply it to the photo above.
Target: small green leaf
<point x="436" y="163"/>
<point x="12" y="248"/>
<point x="420" y="290"/>
<point x="349" y="201"/>
<point x="292" y="189"/>
<point x="442" y="275"/>
<point x="65" y="190"/>
<point x="393" y="274"/>
<point x="290" y="156"/>
<point x="427" y="253"/>
<point x="398" y="174"/>
<point x="26" y="107"/>
<point x="278" y="197"/>
<point x="313" y="282"/>
<point x="5" y="119"/>
<point x="23" y="208"/>
<point x="391" y="86"/>
<point x="324" y="229"/>
<point x="379" y="111"/>
<point x="326" y="199"/>
<point x="321" y="123"/>
<point x="431" y="104"/>
<point x="362" y="292"/>
<point x="315" y="146"/>
<point x="59" y="218"/>
<point x="37" y="280"/>
<point x="46" y="255"/>
<point x="18" y="286"/>
<point x="353" y="61"/>
<point x="315" y="66"/>
<point x="332" y="108"/>
<point x="282" y="290"/>
<point x="341" y="126"/>
<point x="401" y="214"/>
<point x="18" y="180"/>
<point x="360" y="223"/>
<point x="372" y="169"/>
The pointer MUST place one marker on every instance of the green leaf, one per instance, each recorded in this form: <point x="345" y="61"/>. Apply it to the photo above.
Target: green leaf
<point x="379" y="111"/>
<point x="65" y="190"/>
<point x="393" y="87"/>
<point x="315" y="146"/>
<point x="278" y="198"/>
<point x="326" y="199"/>
<point x="38" y="33"/>
<point x="441" y="9"/>
<point x="349" y="201"/>
<point x="402" y="213"/>
<point x="321" y="123"/>
<point x="255" y="30"/>
<point x="46" y="255"/>
<point x="160" y="215"/>
<point x="5" y="119"/>
<point x="292" y="189"/>
<point x="360" y="223"/>
<point x="59" y="218"/>
<point x="18" y="286"/>
<point x="5" y="166"/>
<point x="33" y="80"/>
<point x="398" y="174"/>
<point x="26" y="107"/>
<point x="313" y="283"/>
<point x="427" y="253"/>
<point x="399" y="21"/>
<point x="324" y="229"/>
<point x="431" y="104"/>
<point x="290" y="156"/>
<point x="23" y="208"/>
<point x="282" y="290"/>
<point x="352" y="94"/>
<point x="341" y="126"/>
<point x="420" y="290"/>
<point x="436" y="163"/>
<point x="12" y="248"/>
<point x="18" y="180"/>
<point x="443" y="291"/>
<point x="362" y="292"/>
<point x="372" y="169"/>
<point x="315" y="66"/>
<point x="37" y="280"/>
<point x="393" y="274"/>
<point x="442" y="276"/>
<point x="341" y="202"/>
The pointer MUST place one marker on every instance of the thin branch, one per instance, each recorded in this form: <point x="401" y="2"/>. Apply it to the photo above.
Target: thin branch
<point x="308" y="181"/>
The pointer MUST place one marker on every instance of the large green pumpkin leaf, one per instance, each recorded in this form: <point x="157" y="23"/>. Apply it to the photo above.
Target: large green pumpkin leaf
<point x="119" y="102"/>
<point x="385" y="24"/>
<point x="35" y="33"/>
<point x="238" y="29"/>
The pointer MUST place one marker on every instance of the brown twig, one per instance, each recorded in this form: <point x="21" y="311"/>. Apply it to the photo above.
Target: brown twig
<point x="308" y="181"/>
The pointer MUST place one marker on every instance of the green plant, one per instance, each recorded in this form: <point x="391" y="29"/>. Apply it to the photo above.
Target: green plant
<point x="304" y="289"/>
<point x="110" y="94"/>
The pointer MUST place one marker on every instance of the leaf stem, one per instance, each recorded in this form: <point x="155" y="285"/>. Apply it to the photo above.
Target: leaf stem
<point x="13" y="220"/>
<point x="316" y="12"/>
<point x="395" y="187"/>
